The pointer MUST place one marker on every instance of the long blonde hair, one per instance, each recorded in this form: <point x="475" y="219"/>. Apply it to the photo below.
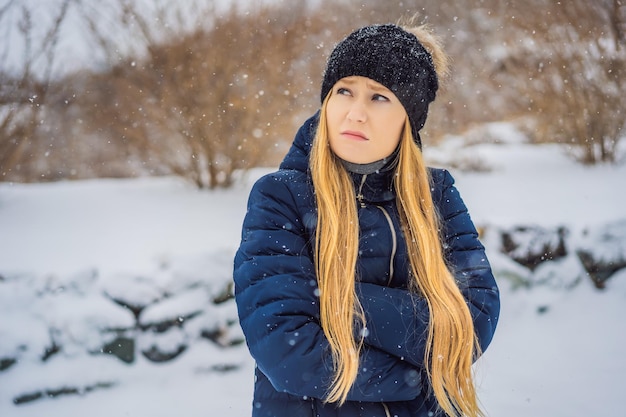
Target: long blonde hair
<point x="451" y="342"/>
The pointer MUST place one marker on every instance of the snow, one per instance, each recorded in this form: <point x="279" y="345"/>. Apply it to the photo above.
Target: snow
<point x="160" y="244"/>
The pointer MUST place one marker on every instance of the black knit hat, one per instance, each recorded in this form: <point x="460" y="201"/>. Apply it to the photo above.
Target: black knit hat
<point x="393" y="57"/>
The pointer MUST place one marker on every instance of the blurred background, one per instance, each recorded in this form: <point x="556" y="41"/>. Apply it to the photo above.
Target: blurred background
<point x="202" y="89"/>
<point x="116" y="290"/>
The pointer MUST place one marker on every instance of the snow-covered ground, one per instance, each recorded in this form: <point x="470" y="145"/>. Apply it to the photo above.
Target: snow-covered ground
<point x="558" y="351"/>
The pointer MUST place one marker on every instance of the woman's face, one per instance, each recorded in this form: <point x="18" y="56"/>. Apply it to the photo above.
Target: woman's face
<point x="364" y="120"/>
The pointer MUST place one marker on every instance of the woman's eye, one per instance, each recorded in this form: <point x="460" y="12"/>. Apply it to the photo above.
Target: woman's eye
<point x="343" y="91"/>
<point x="379" y="97"/>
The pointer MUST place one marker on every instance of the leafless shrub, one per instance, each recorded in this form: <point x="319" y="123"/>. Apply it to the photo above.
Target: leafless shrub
<point x="24" y="96"/>
<point x="212" y="101"/>
<point x="205" y="95"/>
<point x="568" y="64"/>
<point x="219" y="97"/>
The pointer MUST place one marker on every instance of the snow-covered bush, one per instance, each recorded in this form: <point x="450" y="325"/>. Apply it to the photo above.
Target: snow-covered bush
<point x="533" y="255"/>
<point x="602" y="251"/>
<point x="88" y="318"/>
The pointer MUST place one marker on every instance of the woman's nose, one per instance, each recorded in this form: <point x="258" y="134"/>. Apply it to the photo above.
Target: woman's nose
<point x="357" y="112"/>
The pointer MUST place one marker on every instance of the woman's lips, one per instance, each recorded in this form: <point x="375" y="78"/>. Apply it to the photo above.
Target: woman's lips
<point x="353" y="134"/>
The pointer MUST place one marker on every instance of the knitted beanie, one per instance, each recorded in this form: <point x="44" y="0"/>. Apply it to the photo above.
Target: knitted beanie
<point x="393" y="57"/>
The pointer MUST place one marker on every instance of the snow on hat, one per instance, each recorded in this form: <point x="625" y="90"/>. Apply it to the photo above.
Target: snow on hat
<point x="392" y="57"/>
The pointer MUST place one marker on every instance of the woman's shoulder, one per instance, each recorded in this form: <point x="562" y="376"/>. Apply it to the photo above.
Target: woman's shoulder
<point x="441" y="180"/>
<point x="279" y="198"/>
<point x="288" y="177"/>
<point x="283" y="185"/>
<point x="440" y="176"/>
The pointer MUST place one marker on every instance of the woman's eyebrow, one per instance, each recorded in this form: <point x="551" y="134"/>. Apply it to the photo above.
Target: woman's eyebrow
<point x="377" y="87"/>
<point x="371" y="85"/>
<point x="347" y="80"/>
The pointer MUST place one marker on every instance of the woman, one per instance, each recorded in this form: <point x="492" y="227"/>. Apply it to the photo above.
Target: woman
<point x="361" y="285"/>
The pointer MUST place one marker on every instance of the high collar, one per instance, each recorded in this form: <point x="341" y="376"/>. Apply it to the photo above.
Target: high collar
<point x="386" y="164"/>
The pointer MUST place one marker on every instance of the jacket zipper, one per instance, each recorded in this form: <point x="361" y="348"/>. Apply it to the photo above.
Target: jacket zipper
<point x="394" y="238"/>
<point x="394" y="246"/>
<point x="387" y="413"/>
<point x="359" y="195"/>
<point x="394" y="243"/>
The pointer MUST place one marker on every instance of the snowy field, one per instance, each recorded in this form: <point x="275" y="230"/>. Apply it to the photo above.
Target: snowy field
<point x="559" y="350"/>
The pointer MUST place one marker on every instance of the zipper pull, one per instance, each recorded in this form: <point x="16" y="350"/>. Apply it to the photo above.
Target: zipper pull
<point x="359" y="198"/>
<point x="359" y="195"/>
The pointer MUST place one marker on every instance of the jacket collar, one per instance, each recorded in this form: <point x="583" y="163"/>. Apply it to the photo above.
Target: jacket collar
<point x="298" y="155"/>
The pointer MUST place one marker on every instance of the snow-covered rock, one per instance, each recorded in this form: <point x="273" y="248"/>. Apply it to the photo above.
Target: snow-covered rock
<point x="602" y="251"/>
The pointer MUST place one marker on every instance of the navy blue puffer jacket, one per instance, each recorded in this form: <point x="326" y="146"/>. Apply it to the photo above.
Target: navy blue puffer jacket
<point x="278" y="305"/>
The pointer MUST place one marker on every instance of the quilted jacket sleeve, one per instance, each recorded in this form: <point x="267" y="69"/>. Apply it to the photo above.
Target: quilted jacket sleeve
<point x="397" y="320"/>
<point x="277" y="301"/>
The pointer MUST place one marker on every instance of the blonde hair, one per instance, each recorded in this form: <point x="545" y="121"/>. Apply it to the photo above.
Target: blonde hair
<point x="451" y="342"/>
<point x="336" y="249"/>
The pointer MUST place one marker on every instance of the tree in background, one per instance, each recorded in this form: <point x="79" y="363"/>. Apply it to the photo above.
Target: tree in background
<point x="567" y="61"/>
<point x="190" y="90"/>
<point x="203" y="102"/>
<point x="25" y="97"/>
